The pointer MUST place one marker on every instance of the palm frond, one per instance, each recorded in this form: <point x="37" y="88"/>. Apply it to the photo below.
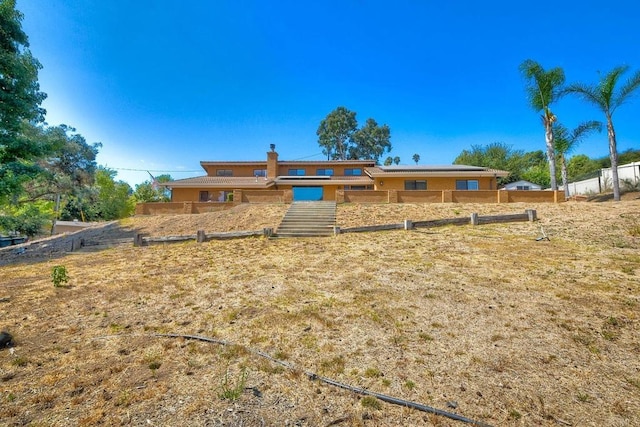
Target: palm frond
<point x="543" y="87"/>
<point x="588" y="93"/>
<point x="607" y="86"/>
<point x="584" y="129"/>
<point x="627" y="90"/>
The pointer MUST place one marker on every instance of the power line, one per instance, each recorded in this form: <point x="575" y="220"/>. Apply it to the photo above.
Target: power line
<point x="153" y="170"/>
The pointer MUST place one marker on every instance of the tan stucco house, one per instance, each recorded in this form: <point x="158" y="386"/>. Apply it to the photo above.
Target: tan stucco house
<point x="324" y="180"/>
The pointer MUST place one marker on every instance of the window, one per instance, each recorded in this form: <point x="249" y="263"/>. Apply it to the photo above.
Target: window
<point x="523" y="187"/>
<point x="358" y="187"/>
<point x="467" y="184"/>
<point x="260" y="172"/>
<point x="296" y="172"/>
<point x="353" y="172"/>
<point x="204" y="196"/>
<point x="324" y="172"/>
<point x="224" y="172"/>
<point x="415" y="185"/>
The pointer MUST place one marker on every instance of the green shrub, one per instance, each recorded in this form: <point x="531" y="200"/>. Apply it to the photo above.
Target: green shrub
<point x="59" y="275"/>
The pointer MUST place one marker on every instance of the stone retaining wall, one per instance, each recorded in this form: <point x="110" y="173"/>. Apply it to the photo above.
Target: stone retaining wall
<point x="37" y="250"/>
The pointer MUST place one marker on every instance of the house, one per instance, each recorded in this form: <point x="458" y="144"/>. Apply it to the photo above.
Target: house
<point x="522" y="185"/>
<point x="322" y="180"/>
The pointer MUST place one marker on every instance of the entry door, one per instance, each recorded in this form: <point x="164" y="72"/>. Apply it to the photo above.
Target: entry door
<point x="307" y="193"/>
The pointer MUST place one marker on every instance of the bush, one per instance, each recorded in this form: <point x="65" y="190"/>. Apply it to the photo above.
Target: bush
<point x="59" y="275"/>
<point x="29" y="220"/>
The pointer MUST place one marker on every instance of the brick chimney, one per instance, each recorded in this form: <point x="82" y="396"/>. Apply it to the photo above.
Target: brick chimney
<point x="272" y="164"/>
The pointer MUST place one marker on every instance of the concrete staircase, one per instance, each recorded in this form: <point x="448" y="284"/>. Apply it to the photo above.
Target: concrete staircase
<point x="307" y="219"/>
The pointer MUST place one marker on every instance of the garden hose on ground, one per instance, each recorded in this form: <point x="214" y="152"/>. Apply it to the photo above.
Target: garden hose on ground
<point x="312" y="376"/>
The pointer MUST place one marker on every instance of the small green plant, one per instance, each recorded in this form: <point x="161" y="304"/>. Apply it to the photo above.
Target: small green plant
<point x="410" y="385"/>
<point x="583" y="397"/>
<point x="11" y="397"/>
<point x="59" y="275"/>
<point x="154" y="366"/>
<point x="371" y="402"/>
<point x="229" y="391"/>
<point x="372" y="373"/>
<point x="514" y="414"/>
<point x="20" y="361"/>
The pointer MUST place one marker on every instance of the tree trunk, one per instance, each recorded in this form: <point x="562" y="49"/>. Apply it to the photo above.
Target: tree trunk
<point x="613" y="154"/>
<point x="565" y="176"/>
<point x="551" y="153"/>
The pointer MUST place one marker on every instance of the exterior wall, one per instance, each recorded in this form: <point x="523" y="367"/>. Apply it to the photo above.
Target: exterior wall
<point x="478" y="196"/>
<point x="532" y="196"/>
<point x="238" y="170"/>
<point x="358" y="196"/>
<point x="311" y="169"/>
<point x="419" y="196"/>
<point x="364" y="196"/>
<point x="629" y="171"/>
<point x="263" y="196"/>
<point x="172" y="208"/>
<point x="435" y="183"/>
<point x="180" y="195"/>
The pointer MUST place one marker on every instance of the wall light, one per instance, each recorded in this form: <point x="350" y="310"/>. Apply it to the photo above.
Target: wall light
<point x="381" y="183"/>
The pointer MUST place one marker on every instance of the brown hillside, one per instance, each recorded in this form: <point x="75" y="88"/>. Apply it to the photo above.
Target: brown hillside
<point x="484" y="321"/>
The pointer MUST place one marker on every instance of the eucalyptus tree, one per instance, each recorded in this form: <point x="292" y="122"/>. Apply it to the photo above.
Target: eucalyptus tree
<point x="566" y="142"/>
<point x="416" y="158"/>
<point x="335" y="131"/>
<point x="604" y="96"/>
<point x="370" y="141"/>
<point x="543" y="89"/>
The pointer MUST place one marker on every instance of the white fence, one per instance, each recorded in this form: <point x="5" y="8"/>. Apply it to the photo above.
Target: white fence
<point x="603" y="182"/>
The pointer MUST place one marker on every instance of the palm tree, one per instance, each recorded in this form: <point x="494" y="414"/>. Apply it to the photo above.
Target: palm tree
<point x="605" y="97"/>
<point x="416" y="158"/>
<point x="566" y="141"/>
<point x="543" y="88"/>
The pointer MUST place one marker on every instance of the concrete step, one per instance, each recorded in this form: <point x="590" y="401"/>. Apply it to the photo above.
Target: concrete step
<point x="307" y="219"/>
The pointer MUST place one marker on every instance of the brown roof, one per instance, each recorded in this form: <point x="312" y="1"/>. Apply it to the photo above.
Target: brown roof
<point x="221" y="182"/>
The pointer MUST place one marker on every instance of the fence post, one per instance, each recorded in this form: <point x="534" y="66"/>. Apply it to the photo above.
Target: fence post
<point x="336" y="230"/>
<point x="267" y="232"/>
<point x="137" y="241"/>
<point x="531" y="213"/>
<point x="474" y="219"/>
<point x="408" y="224"/>
<point x="200" y="236"/>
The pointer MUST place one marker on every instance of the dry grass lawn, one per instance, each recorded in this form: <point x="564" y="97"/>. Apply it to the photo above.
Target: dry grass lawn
<point x="509" y="330"/>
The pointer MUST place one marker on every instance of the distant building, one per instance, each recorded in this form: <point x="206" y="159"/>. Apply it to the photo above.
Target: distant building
<point x="521" y="185"/>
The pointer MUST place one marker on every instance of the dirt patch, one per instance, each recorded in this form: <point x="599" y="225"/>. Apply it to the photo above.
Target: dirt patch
<point x="509" y="330"/>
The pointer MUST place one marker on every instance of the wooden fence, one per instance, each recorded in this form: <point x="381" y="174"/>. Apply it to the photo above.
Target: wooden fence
<point x="200" y="236"/>
<point x="474" y="219"/>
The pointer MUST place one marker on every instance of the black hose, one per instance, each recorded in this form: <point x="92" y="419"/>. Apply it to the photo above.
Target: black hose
<point x="312" y="376"/>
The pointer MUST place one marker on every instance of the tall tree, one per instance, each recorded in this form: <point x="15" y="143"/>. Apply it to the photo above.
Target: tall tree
<point x="388" y="161"/>
<point x="114" y="201"/>
<point x="566" y="142"/>
<point x="498" y="155"/>
<point x="334" y="133"/>
<point x="370" y="141"/>
<point x="604" y="96"/>
<point x="69" y="165"/>
<point x="150" y="191"/>
<point x="20" y="100"/>
<point x="396" y="160"/>
<point x="416" y="158"/>
<point x="543" y="89"/>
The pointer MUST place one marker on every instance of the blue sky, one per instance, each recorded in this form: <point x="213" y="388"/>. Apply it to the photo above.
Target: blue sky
<point x="165" y="84"/>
